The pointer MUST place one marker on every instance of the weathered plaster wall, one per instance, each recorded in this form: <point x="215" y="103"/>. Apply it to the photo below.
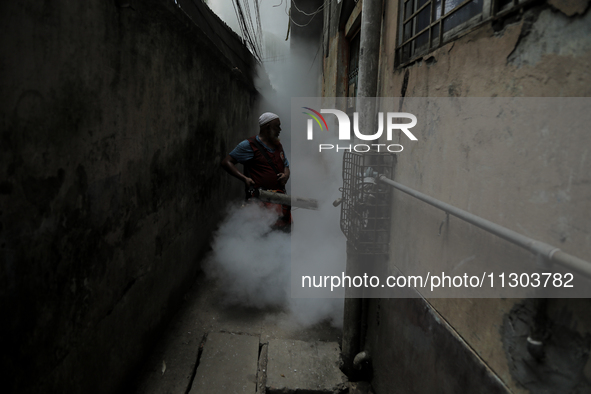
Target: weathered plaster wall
<point x="336" y="53"/>
<point x="500" y="178"/>
<point x="334" y="77"/>
<point x="113" y="124"/>
<point x="543" y="52"/>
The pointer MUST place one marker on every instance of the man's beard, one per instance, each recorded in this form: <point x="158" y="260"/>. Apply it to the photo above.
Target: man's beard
<point x="275" y="140"/>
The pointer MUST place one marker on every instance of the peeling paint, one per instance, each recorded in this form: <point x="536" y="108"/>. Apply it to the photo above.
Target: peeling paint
<point x="546" y="36"/>
<point x="570" y="7"/>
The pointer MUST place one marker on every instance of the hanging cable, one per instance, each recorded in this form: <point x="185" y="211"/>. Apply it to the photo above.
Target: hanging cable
<point x="302" y="12"/>
<point x="318" y="50"/>
<point x="252" y="35"/>
<point x="288" y="26"/>
<point x="297" y="24"/>
<point x="313" y="14"/>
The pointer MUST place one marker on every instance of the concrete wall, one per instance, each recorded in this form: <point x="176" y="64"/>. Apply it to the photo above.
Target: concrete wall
<point x="114" y="120"/>
<point x="475" y="345"/>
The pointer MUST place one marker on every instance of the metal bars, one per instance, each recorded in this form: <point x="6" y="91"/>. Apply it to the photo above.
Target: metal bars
<point x="417" y="12"/>
<point x="365" y="209"/>
<point x="409" y="49"/>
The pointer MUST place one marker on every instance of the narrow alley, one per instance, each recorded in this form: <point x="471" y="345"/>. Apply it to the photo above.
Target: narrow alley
<point x="247" y="344"/>
<point x="194" y="197"/>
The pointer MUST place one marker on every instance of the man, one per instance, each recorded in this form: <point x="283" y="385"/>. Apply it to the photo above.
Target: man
<point x="265" y="164"/>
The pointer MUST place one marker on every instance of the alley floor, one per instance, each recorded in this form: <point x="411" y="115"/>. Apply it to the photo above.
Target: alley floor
<point x="210" y="347"/>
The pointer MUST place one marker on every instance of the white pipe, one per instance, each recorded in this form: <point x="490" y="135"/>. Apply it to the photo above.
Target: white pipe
<point x="552" y="253"/>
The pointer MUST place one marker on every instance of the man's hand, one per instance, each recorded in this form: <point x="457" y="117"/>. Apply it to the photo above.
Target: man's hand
<point x="249" y="182"/>
<point x="282" y="178"/>
<point x="229" y="164"/>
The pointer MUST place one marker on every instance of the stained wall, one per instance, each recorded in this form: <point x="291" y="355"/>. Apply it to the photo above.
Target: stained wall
<point x="535" y="182"/>
<point x="114" y="118"/>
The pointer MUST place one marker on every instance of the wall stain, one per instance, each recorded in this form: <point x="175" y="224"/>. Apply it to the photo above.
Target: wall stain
<point x="560" y="371"/>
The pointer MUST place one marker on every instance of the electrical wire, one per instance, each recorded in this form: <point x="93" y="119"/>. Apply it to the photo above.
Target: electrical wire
<point x="259" y="25"/>
<point x="252" y="35"/>
<point x="297" y="24"/>
<point x="313" y="14"/>
<point x="302" y="12"/>
<point x="318" y="50"/>
<point x="288" y="26"/>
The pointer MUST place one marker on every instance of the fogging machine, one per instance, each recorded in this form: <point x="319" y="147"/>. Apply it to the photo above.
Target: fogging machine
<point x="284" y="199"/>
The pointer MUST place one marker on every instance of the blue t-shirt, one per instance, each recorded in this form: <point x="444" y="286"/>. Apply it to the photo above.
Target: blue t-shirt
<point x="243" y="152"/>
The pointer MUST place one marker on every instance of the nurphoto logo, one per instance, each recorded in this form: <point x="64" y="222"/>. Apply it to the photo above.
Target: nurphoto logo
<point x="345" y="130"/>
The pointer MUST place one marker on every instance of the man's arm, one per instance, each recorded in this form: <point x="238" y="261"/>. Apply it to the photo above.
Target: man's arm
<point x="283" y="178"/>
<point x="229" y="164"/>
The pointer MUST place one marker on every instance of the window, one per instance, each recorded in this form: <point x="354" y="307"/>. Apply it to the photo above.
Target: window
<point x="422" y="27"/>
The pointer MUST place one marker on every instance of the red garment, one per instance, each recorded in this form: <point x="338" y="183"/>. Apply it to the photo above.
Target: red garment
<point x="265" y="177"/>
<point x="259" y="170"/>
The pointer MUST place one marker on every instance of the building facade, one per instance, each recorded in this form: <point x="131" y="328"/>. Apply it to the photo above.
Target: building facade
<point x="535" y="181"/>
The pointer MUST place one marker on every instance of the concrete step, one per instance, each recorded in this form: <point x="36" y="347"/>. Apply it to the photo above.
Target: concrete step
<point x="227" y="365"/>
<point x="360" y="388"/>
<point x="304" y="367"/>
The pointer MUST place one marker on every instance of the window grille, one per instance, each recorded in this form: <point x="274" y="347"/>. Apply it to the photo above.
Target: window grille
<point x="365" y="207"/>
<point x="422" y="27"/>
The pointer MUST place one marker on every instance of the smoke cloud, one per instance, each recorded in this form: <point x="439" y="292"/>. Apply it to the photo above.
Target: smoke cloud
<point x="252" y="263"/>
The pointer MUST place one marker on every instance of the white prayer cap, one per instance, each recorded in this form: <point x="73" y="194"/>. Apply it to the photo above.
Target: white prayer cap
<point x="266" y="118"/>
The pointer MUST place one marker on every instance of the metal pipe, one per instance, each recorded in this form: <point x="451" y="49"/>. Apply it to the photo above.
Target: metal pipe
<point x="285" y="199"/>
<point x="369" y="44"/>
<point x="369" y="58"/>
<point x="552" y="253"/>
<point x="351" y="333"/>
<point x="351" y="340"/>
